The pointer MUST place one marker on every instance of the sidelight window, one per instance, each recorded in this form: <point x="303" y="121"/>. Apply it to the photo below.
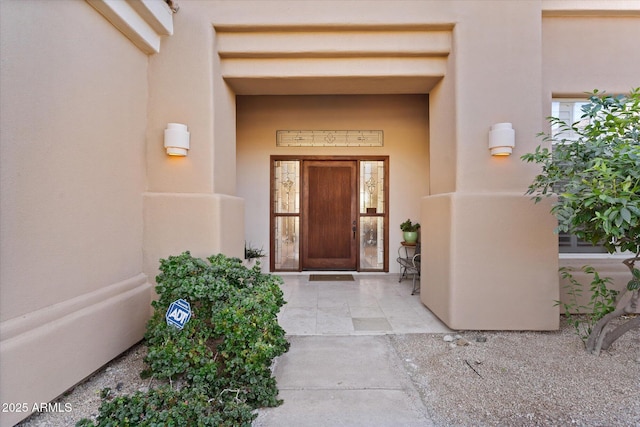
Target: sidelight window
<point x="372" y="192"/>
<point x="286" y="214"/>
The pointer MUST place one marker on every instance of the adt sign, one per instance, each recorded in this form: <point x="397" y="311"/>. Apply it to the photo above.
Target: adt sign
<point x="179" y="313"/>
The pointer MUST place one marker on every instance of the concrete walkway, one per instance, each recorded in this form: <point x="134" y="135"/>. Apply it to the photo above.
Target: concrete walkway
<point x="329" y="381"/>
<point x="348" y="375"/>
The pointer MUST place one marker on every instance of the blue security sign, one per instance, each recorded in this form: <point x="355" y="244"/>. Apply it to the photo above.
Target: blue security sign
<point x="179" y="313"/>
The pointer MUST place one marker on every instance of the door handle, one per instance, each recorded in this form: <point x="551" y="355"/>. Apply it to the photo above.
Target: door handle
<point x="354" y="229"/>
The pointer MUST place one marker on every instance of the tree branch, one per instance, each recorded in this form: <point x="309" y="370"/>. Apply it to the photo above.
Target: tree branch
<point x="630" y="262"/>
<point x="599" y="336"/>
<point x="617" y="333"/>
<point x="594" y="336"/>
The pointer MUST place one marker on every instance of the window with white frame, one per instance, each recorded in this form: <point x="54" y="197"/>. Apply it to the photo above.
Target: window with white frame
<point x="570" y="112"/>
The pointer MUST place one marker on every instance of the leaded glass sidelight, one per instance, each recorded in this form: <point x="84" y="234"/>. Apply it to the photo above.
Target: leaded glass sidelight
<point x="286" y="215"/>
<point x="372" y="186"/>
<point x="286" y="186"/>
<point x="287" y="247"/>
<point x="372" y="243"/>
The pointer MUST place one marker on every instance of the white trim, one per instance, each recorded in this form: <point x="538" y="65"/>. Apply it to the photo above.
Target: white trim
<point x="141" y="21"/>
<point x="590" y="8"/>
<point x="583" y="255"/>
<point x="156" y="13"/>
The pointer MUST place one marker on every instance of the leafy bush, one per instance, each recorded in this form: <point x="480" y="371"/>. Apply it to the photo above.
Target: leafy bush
<point x="601" y="303"/>
<point x="166" y="406"/>
<point x="220" y="362"/>
<point x="597" y="180"/>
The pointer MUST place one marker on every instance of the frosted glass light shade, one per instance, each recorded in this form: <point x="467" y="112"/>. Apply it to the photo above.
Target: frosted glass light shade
<point x="176" y="139"/>
<point x="502" y="139"/>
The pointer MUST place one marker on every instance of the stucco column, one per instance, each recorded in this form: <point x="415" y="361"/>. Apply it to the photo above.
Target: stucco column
<point x="490" y="256"/>
<point x="190" y="203"/>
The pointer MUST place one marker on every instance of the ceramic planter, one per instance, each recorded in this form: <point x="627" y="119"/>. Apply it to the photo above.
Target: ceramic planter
<point x="410" y="236"/>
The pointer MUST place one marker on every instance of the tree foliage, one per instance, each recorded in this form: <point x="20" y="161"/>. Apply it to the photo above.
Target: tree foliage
<point x="596" y="176"/>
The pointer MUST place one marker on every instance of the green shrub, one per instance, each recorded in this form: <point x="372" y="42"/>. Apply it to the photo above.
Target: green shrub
<point x="166" y="406"/>
<point x="601" y="303"/>
<point x="220" y="362"/>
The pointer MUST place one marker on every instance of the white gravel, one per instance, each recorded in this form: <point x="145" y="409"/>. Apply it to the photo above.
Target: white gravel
<point x="122" y="375"/>
<point x="525" y="379"/>
<point x="512" y="379"/>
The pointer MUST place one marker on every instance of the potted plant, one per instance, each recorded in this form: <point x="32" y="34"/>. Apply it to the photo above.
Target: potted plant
<point x="251" y="254"/>
<point x="410" y="231"/>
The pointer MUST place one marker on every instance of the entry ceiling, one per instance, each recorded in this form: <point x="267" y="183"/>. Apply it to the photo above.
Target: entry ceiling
<point x="331" y="85"/>
<point x="320" y="61"/>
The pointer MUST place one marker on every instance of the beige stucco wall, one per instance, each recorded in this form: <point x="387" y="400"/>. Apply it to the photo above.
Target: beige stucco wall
<point x="73" y="117"/>
<point x="570" y="44"/>
<point x="583" y="53"/>
<point x="402" y="118"/>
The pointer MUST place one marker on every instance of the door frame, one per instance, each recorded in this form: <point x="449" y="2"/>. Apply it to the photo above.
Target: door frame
<point x="384" y="215"/>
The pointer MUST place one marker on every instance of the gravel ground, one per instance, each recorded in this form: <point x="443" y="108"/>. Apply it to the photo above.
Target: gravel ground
<point x="122" y="375"/>
<point x="525" y="379"/>
<point x="512" y="379"/>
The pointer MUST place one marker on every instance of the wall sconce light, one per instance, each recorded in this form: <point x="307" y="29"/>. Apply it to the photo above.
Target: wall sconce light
<point x="502" y="139"/>
<point x="176" y="139"/>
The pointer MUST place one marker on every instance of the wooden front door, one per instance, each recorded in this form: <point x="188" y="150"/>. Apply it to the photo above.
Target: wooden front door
<point x="329" y="215"/>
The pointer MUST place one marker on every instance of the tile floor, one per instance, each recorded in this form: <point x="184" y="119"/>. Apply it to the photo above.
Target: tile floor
<point x="369" y="305"/>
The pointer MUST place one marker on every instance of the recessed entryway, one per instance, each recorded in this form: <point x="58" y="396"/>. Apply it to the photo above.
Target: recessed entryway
<point x="402" y="163"/>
